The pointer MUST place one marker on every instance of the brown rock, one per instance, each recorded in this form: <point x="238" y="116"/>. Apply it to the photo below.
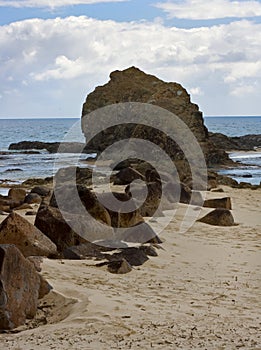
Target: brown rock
<point x="141" y="233"/>
<point x="219" y="217"/>
<point x="51" y="222"/>
<point x="17" y="194"/>
<point x="126" y="176"/>
<point x="119" y="266"/>
<point x="134" y="256"/>
<point x="27" y="238"/>
<point x="136" y="86"/>
<point x="33" y="198"/>
<point x="23" y="207"/>
<point x="42" y="191"/>
<point x="19" y="288"/>
<point x="224" y="203"/>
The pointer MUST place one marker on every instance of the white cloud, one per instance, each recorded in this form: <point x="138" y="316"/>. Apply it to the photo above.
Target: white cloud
<point x="65" y="58"/>
<point x="204" y="9"/>
<point x="196" y="91"/>
<point x="51" y="3"/>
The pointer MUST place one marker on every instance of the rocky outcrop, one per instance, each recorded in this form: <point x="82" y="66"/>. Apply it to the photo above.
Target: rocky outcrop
<point x="51" y="147"/>
<point x="133" y="85"/>
<point x="20" y="288"/>
<point x="27" y="238"/>
<point x="240" y="143"/>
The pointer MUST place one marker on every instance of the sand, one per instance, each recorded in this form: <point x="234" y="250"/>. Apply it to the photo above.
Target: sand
<point x="201" y="292"/>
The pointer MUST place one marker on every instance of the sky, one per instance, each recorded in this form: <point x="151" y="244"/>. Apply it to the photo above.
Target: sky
<point x="54" y="53"/>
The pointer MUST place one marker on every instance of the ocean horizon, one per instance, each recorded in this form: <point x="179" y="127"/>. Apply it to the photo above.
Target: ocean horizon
<point x="19" y="167"/>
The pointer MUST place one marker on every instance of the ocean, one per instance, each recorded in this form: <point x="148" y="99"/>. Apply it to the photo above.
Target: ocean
<point x="17" y="167"/>
<point x="251" y="161"/>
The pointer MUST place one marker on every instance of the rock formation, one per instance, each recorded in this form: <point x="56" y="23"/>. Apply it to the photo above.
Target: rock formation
<point x="20" y="288"/>
<point x="133" y="85"/>
<point x="240" y="143"/>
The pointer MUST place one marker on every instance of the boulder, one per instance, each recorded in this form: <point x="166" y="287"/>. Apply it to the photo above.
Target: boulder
<point x="218" y="217"/>
<point x="42" y="191"/>
<point x="119" y="218"/>
<point x="224" y="203"/>
<point x="85" y="250"/>
<point x="33" y="198"/>
<point x="141" y="233"/>
<point x="81" y="229"/>
<point x="17" y="195"/>
<point x="151" y="205"/>
<point x="19" y="288"/>
<point x="126" y="176"/>
<point x="133" y="255"/>
<point x="177" y="192"/>
<point x="27" y="238"/>
<point x="119" y="266"/>
<point x="67" y="195"/>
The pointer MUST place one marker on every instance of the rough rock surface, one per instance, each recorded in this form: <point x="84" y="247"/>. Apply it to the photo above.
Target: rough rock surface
<point x="224" y="203"/>
<point x="51" y="147"/>
<point x="133" y="85"/>
<point x="27" y="238"/>
<point x="241" y="143"/>
<point x="19" y="288"/>
<point x="219" y="217"/>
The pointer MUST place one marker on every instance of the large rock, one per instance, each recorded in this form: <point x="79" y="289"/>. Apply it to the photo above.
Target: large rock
<point x="17" y="194"/>
<point x="133" y="85"/>
<point x="224" y="203"/>
<point x="242" y="143"/>
<point x="127" y="175"/>
<point x="19" y="288"/>
<point x="81" y="229"/>
<point x="141" y="233"/>
<point x="218" y="217"/>
<point x="27" y="238"/>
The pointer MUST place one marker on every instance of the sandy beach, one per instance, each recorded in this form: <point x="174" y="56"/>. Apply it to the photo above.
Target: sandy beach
<point x="201" y="292"/>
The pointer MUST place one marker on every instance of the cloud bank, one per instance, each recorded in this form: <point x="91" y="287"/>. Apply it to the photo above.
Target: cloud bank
<point x="59" y="60"/>
<point x="214" y="9"/>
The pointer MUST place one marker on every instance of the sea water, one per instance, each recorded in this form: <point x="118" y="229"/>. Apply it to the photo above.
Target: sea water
<point x="250" y="168"/>
<point x="17" y="167"/>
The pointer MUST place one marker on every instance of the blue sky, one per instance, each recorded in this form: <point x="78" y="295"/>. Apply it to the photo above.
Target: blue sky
<point x="53" y="53"/>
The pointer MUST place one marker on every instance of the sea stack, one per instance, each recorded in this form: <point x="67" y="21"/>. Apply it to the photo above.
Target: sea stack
<point x="133" y="85"/>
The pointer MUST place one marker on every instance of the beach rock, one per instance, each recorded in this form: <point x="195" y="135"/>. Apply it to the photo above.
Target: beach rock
<point x="151" y="205"/>
<point x="126" y="176"/>
<point x="224" y="203"/>
<point x="141" y="233"/>
<point x="218" y="217"/>
<point x="119" y="266"/>
<point x="52" y="223"/>
<point x="51" y="147"/>
<point x="44" y="287"/>
<point x="19" y="288"/>
<point x="36" y="261"/>
<point x="27" y="238"/>
<point x="241" y="143"/>
<point x="4" y="208"/>
<point x="23" y="206"/>
<point x="86" y="250"/>
<point x="136" y="86"/>
<point x="17" y="195"/>
<point x="68" y="195"/>
<point x="217" y="190"/>
<point x="33" y="198"/>
<point x="119" y="218"/>
<point x="172" y="191"/>
<point x="42" y="191"/>
<point x="133" y="255"/>
<point x="83" y="176"/>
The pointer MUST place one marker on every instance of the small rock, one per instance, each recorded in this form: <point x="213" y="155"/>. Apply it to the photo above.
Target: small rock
<point x="120" y="266"/>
